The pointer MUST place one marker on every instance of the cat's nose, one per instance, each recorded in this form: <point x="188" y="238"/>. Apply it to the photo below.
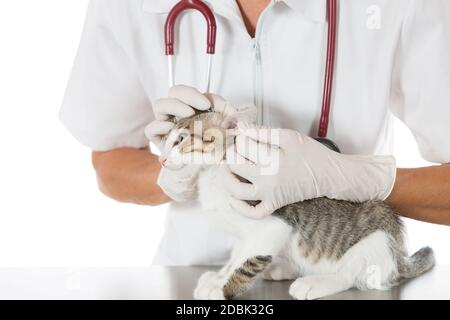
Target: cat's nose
<point x="163" y="162"/>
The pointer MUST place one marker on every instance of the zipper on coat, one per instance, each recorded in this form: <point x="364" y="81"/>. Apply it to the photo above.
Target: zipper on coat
<point x="258" y="83"/>
<point x="258" y="95"/>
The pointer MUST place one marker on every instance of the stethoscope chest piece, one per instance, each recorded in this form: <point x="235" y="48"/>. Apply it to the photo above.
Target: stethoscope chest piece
<point x="329" y="144"/>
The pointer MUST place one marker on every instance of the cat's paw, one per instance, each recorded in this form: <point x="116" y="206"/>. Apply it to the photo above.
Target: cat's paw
<point x="302" y="288"/>
<point x="207" y="276"/>
<point x="278" y="271"/>
<point x="209" y="287"/>
<point x="311" y="288"/>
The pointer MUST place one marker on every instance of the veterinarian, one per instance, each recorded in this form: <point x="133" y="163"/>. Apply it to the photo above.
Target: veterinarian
<point x="392" y="60"/>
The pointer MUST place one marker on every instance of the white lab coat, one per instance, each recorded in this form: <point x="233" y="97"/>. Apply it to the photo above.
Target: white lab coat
<point x="393" y="58"/>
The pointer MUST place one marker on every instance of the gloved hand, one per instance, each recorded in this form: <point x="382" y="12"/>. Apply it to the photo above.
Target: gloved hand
<point x="284" y="167"/>
<point x="181" y="103"/>
<point x="180" y="185"/>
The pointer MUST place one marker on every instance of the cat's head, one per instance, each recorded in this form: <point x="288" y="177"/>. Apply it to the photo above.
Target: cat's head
<point x="203" y="138"/>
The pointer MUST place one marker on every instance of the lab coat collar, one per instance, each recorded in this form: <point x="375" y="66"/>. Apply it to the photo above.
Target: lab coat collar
<point x="315" y="10"/>
<point x="158" y="6"/>
<point x="311" y="9"/>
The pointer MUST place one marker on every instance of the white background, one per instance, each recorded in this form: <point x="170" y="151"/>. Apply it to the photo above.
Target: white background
<point x="51" y="213"/>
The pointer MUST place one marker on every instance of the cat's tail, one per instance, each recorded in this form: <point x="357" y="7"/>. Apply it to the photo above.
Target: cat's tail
<point x="417" y="264"/>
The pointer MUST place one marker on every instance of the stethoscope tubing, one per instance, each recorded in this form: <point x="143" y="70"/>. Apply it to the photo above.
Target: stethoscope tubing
<point x="169" y="32"/>
<point x="202" y="7"/>
<point x="329" y="68"/>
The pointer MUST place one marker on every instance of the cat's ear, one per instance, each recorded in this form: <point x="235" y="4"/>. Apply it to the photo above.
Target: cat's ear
<point x="244" y="114"/>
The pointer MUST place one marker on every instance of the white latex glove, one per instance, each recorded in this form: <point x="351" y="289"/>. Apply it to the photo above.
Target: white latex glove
<point x="285" y="167"/>
<point x="180" y="185"/>
<point x="181" y="103"/>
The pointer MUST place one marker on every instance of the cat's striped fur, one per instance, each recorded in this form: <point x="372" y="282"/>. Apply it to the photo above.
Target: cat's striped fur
<point x="317" y="237"/>
<point x="242" y="278"/>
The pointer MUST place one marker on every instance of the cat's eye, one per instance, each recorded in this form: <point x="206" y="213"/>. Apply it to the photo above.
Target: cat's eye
<point x="180" y="139"/>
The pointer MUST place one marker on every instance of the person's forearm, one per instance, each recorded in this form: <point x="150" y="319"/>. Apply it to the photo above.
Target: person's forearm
<point x="423" y="194"/>
<point x="129" y="175"/>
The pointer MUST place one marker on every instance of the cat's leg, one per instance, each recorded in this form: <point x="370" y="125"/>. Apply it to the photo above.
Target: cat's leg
<point x="210" y="284"/>
<point x="213" y="287"/>
<point x="243" y="278"/>
<point x="281" y="269"/>
<point x="369" y="264"/>
<point x="236" y="277"/>
<point x="263" y="240"/>
<point x="211" y="276"/>
<point x="319" y="286"/>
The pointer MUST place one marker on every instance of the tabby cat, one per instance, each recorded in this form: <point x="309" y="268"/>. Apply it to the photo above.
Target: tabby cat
<point x="326" y="246"/>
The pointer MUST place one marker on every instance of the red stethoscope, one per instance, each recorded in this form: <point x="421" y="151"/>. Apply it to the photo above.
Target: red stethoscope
<point x="211" y="48"/>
